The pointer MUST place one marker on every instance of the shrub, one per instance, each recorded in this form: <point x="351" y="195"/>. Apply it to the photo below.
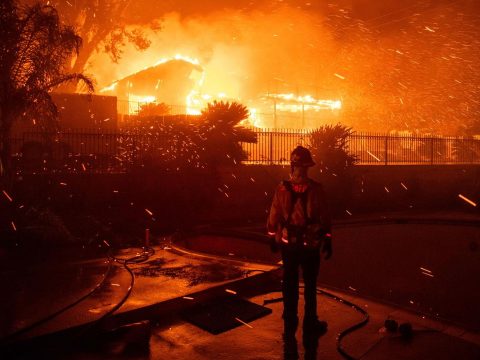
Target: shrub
<point x="221" y="134"/>
<point x="329" y="147"/>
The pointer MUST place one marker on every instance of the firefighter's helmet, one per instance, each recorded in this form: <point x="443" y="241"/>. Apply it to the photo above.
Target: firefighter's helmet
<point x="301" y="157"/>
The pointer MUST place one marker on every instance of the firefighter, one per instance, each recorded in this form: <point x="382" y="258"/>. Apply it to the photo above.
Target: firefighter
<point x="299" y="224"/>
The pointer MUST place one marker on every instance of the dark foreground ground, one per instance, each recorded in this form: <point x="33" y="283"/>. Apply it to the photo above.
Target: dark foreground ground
<point x="384" y="266"/>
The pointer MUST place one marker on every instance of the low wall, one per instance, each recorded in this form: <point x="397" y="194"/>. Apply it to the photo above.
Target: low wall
<point x="245" y="193"/>
<point x="363" y="189"/>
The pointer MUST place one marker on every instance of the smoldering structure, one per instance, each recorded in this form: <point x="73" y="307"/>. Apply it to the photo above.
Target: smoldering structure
<point x="169" y="82"/>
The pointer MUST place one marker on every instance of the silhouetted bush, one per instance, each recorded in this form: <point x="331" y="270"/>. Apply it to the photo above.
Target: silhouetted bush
<point x="154" y="109"/>
<point x="221" y="135"/>
<point x="329" y="147"/>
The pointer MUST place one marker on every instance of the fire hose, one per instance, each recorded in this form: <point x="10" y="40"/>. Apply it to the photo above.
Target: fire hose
<point x="146" y="253"/>
<point x="7" y="339"/>
<point x="344" y="332"/>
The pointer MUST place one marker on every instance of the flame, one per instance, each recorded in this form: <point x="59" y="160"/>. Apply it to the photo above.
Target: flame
<point x="254" y="119"/>
<point x="260" y="109"/>
<point x="142" y="99"/>
<point x="194" y="105"/>
<point x="111" y="87"/>
<point x="302" y="103"/>
<point x="178" y="57"/>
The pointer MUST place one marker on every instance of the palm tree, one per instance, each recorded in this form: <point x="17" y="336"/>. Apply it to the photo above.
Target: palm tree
<point x="329" y="146"/>
<point x="222" y="133"/>
<point x="34" y="54"/>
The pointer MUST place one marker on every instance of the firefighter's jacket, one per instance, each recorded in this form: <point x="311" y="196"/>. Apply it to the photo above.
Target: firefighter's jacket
<point x="315" y="217"/>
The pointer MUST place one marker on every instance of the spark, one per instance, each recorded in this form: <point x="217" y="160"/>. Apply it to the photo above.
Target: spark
<point x="63" y="184"/>
<point x="404" y="186"/>
<point x="426" y="270"/>
<point x="351" y="288"/>
<point x="7" y="196"/>
<point x="348" y="212"/>
<point x="429" y="29"/>
<point x="148" y="212"/>
<point x="376" y="158"/>
<point x="13" y="226"/>
<point x="106" y="243"/>
<point x="467" y="200"/>
<point x="188" y="298"/>
<point x="114" y="284"/>
<point x="386" y="189"/>
<point x="339" y="76"/>
<point x="231" y="291"/>
<point x="428" y="274"/>
<point x="244" y="323"/>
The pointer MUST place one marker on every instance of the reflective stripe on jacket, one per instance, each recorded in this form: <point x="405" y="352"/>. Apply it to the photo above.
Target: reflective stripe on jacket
<point x="318" y="217"/>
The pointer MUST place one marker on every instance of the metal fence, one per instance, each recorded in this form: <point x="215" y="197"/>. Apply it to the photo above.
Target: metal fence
<point x="116" y="151"/>
<point x="73" y="151"/>
<point x="377" y="149"/>
<point x="274" y="147"/>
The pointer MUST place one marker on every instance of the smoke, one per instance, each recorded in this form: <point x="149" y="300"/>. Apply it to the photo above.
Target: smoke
<point x="413" y="69"/>
<point x="243" y="54"/>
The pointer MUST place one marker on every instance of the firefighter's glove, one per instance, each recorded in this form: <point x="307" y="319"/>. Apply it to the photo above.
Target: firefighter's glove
<point x="273" y="245"/>
<point x="327" y="247"/>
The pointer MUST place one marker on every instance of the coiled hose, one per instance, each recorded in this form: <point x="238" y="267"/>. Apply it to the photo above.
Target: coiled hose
<point x="146" y="253"/>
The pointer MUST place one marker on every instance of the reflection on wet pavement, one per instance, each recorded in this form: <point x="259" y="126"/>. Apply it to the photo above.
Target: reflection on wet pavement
<point x="194" y="274"/>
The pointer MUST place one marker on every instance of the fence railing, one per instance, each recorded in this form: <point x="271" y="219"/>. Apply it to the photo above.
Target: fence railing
<point x="116" y="151"/>
<point x="274" y="147"/>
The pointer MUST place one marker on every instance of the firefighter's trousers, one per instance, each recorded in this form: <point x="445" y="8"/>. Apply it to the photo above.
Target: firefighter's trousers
<point x="308" y="259"/>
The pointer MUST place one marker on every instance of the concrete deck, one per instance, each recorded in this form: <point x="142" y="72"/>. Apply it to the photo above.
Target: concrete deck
<point x="171" y="281"/>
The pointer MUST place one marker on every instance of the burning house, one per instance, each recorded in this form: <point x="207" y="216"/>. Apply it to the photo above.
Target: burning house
<point x="169" y="81"/>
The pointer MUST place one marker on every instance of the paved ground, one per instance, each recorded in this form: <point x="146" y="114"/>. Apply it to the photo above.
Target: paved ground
<point x="35" y="293"/>
<point x="427" y="263"/>
<point x="169" y="277"/>
<point x="173" y="280"/>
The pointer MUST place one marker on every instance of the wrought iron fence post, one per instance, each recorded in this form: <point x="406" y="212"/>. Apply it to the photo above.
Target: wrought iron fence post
<point x="471" y="147"/>
<point x="431" y="150"/>
<point x="386" y="149"/>
<point x="271" y="148"/>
